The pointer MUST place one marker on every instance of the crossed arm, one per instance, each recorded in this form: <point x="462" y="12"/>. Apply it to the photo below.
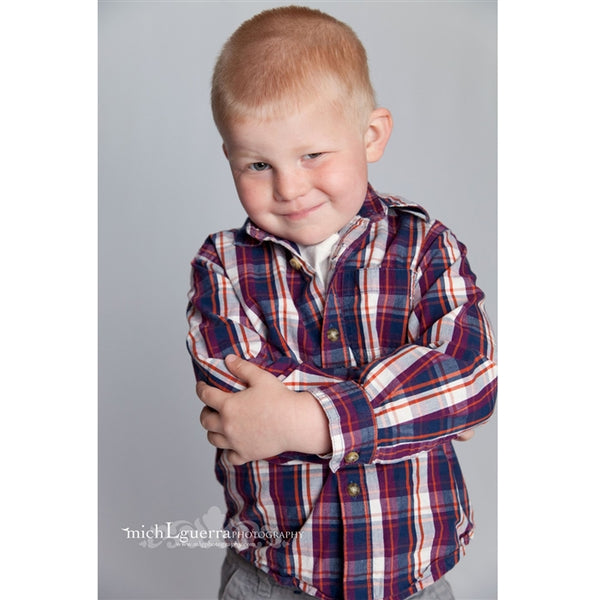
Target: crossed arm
<point x="265" y="419"/>
<point x="439" y="385"/>
<point x="236" y="421"/>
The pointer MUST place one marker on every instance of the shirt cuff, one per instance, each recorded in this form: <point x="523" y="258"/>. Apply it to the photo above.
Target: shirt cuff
<point x="352" y="424"/>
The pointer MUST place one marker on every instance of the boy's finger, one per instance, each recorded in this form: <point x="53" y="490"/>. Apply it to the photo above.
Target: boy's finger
<point x="243" y="369"/>
<point x="210" y="419"/>
<point x="211" y="396"/>
<point x="465" y="436"/>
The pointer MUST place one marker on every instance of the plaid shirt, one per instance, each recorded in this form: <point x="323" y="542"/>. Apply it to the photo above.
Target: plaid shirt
<point x="398" y="351"/>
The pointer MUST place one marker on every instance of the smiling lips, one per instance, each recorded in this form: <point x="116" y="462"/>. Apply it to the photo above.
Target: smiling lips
<point x="301" y="214"/>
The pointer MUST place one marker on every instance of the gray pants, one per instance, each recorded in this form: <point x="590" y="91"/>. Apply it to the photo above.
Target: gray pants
<point x="242" y="581"/>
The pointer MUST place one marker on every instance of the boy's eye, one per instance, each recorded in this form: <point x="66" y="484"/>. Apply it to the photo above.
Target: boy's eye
<point x="259" y="166"/>
<point x="314" y="155"/>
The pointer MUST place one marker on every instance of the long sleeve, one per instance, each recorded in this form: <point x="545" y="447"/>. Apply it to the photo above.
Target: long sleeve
<point x="440" y="382"/>
<point x="224" y="320"/>
<point x="398" y="351"/>
<point x="396" y="346"/>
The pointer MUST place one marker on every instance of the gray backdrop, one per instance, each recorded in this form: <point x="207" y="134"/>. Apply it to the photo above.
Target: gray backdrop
<point x="160" y="167"/>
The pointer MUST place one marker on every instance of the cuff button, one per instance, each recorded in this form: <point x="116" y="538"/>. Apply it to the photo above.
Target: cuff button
<point x="351" y="457"/>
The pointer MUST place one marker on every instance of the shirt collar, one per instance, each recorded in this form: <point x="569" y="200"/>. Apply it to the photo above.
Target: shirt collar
<point x="374" y="208"/>
<point x="385" y="203"/>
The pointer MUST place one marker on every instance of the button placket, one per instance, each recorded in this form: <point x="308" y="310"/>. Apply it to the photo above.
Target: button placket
<point x="295" y="263"/>
<point x="353" y="489"/>
<point x="333" y="334"/>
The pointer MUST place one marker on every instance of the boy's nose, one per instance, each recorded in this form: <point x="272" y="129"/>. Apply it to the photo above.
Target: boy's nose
<point x="290" y="185"/>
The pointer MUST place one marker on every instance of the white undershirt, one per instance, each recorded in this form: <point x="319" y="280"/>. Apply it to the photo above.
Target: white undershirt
<point x="317" y="255"/>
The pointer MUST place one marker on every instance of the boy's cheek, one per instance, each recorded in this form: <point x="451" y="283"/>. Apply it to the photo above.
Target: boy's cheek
<point x="253" y="203"/>
<point x="253" y="195"/>
<point x="245" y="191"/>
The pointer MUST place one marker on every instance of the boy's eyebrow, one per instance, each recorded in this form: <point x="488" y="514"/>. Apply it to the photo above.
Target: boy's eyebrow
<point x="300" y="150"/>
<point x="245" y="154"/>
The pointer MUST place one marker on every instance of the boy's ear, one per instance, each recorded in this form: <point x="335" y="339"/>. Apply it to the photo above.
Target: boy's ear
<point x="378" y="133"/>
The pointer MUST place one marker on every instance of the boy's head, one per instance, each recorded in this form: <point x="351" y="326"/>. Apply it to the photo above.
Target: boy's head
<point x="276" y="60"/>
<point x="293" y="102"/>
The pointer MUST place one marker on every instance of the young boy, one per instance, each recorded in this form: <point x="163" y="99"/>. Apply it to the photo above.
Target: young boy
<point x="338" y="338"/>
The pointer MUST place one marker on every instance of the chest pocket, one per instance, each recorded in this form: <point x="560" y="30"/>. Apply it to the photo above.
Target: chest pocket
<point x="376" y="307"/>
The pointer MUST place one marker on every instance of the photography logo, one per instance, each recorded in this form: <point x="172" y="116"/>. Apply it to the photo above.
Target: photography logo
<point x="208" y="532"/>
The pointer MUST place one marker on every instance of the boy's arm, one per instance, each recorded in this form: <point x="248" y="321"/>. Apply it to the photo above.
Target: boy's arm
<point x="221" y="324"/>
<point x="436" y="387"/>
<point x="267" y="419"/>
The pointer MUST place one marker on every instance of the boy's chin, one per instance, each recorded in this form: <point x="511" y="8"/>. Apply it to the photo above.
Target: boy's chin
<point x="311" y="238"/>
<point x="305" y="234"/>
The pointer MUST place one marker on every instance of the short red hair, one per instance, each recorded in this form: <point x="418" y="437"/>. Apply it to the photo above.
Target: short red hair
<point x="279" y="59"/>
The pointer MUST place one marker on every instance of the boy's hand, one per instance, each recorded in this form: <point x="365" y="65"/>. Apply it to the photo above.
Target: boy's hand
<point x="465" y="436"/>
<point x="263" y="420"/>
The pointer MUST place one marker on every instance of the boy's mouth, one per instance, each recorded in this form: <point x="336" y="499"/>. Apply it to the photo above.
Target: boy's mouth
<point x="303" y="213"/>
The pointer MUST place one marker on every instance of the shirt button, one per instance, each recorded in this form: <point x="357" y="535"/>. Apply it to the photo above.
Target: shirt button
<point x="353" y="489"/>
<point x="333" y="335"/>
<point x="351" y="457"/>
<point x="295" y="263"/>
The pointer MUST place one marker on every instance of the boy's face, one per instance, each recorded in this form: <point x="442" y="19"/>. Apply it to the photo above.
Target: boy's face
<point x="301" y="177"/>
